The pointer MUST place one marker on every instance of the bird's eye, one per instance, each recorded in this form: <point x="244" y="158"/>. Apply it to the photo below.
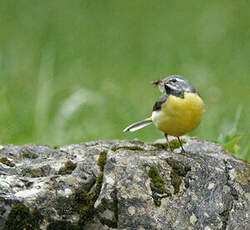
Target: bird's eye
<point x="174" y="80"/>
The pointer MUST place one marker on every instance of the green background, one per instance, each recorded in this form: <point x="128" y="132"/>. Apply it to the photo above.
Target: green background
<point x="74" y="71"/>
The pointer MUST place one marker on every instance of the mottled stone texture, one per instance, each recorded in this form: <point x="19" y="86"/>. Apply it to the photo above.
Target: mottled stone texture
<point x="123" y="185"/>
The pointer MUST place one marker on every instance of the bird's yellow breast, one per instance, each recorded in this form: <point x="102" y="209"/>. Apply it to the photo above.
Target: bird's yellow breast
<point x="179" y="115"/>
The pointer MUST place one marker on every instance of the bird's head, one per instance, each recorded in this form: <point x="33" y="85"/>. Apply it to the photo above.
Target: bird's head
<point x="175" y="85"/>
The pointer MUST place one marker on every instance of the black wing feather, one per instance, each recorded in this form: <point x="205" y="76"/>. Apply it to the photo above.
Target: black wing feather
<point x="162" y="99"/>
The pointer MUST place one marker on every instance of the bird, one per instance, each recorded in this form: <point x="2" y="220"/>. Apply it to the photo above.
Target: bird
<point x="178" y="110"/>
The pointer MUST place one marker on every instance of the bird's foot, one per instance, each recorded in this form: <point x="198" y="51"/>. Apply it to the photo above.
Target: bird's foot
<point x="182" y="149"/>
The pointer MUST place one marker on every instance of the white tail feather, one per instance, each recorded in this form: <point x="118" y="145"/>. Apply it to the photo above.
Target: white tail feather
<point x="138" y="125"/>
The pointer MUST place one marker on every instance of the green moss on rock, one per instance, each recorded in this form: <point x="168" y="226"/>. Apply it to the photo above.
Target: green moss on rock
<point x="157" y="181"/>
<point x="177" y="173"/>
<point x="25" y="155"/>
<point x="175" y="144"/>
<point x="86" y="213"/>
<point x="98" y="187"/>
<point x="81" y="201"/>
<point x="102" y="160"/>
<point x="86" y="200"/>
<point x="28" y="155"/>
<point x="62" y="225"/>
<point x="36" y="172"/>
<point x="68" y="168"/>
<point x="21" y="218"/>
<point x="175" y="181"/>
<point x="161" y="145"/>
<point x="7" y="162"/>
<point x="133" y="148"/>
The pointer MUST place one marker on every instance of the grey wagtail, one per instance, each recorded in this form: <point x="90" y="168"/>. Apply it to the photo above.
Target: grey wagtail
<point x="178" y="111"/>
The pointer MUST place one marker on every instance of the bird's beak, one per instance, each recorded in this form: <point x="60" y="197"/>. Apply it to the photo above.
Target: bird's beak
<point x="160" y="84"/>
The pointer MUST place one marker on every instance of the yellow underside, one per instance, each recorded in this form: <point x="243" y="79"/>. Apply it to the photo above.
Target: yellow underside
<point x="179" y="116"/>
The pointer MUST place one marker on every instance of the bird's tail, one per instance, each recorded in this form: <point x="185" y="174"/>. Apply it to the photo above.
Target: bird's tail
<point x="138" y="125"/>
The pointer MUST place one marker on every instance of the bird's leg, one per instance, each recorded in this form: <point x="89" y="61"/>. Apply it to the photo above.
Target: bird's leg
<point x="168" y="142"/>
<point x="182" y="149"/>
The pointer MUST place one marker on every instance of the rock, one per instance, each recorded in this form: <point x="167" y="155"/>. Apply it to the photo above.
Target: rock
<point x="123" y="185"/>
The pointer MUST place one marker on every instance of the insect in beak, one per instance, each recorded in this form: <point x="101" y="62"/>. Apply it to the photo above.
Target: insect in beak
<point x="156" y="82"/>
<point x="160" y="84"/>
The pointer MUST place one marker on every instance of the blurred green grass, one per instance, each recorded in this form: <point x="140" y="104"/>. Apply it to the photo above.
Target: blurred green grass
<point x="74" y="71"/>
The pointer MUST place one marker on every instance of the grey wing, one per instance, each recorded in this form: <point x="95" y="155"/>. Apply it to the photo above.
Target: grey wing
<point x="162" y="99"/>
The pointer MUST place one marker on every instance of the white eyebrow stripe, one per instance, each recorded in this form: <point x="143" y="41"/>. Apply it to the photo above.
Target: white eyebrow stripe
<point x="179" y="79"/>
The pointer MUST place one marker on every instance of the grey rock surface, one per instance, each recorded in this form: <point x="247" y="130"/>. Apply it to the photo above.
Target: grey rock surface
<point x="123" y="185"/>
